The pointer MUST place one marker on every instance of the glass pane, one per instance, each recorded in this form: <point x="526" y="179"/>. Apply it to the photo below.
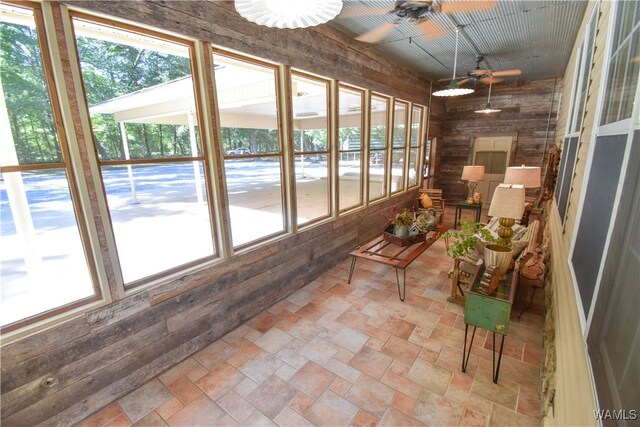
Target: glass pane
<point x="499" y="162"/>
<point x="312" y="187"/>
<point x="310" y="100"/>
<point x="349" y="180"/>
<point x="143" y="82"/>
<point x="413" y="167"/>
<point x="377" y="174"/>
<point x="254" y="188"/>
<point x="379" y="107"/>
<point x="350" y="120"/>
<point x="247" y="106"/>
<point x="42" y="262"/>
<point x="397" y="171"/>
<point x="415" y="126"/>
<point x="633" y="67"/>
<point x="399" y="124"/>
<point x="28" y="105"/>
<point x="159" y="215"/>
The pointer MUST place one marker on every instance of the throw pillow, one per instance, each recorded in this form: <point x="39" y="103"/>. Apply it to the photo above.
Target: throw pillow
<point x="426" y="201"/>
<point x="517" y="247"/>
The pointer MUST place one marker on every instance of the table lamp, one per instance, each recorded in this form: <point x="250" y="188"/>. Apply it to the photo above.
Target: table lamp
<point x="507" y="204"/>
<point x="472" y="174"/>
<point x="527" y="176"/>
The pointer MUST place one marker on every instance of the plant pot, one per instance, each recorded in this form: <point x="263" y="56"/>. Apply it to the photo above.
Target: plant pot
<point x="401" y="230"/>
<point x="498" y="255"/>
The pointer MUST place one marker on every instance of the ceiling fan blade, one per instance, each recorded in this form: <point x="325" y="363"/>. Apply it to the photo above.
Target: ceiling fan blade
<point x="468" y="6"/>
<point x="506" y="73"/>
<point x="489" y="80"/>
<point x="377" y="34"/>
<point x="431" y="29"/>
<point x="463" y="82"/>
<point x="359" y="11"/>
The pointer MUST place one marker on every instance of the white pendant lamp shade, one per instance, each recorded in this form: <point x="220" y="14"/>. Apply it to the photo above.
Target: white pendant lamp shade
<point x="453" y="89"/>
<point x="487" y="108"/>
<point x="289" y="13"/>
<point x="527" y="176"/>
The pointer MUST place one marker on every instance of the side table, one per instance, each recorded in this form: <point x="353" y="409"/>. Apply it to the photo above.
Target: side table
<point x="470" y="206"/>
<point x="489" y="312"/>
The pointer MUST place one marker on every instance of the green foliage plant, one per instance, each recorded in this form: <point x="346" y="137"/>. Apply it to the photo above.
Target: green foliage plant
<point x="464" y="240"/>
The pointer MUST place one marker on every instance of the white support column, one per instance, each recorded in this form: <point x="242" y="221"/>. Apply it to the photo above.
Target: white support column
<point x="194" y="153"/>
<point x="16" y="194"/>
<point x="125" y="145"/>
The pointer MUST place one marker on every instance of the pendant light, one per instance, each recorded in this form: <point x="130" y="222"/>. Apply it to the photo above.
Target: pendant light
<point x="487" y="108"/>
<point x="453" y="89"/>
<point x="287" y="13"/>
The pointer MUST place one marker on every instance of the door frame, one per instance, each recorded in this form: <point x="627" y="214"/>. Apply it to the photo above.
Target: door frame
<point x="512" y="150"/>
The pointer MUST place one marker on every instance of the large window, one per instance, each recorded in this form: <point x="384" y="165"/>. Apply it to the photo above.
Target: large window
<point x="248" y="112"/>
<point x="140" y="92"/>
<point x="311" y="146"/>
<point x="624" y="64"/>
<point x="583" y="72"/>
<point x="399" y="150"/>
<point x="350" y="147"/>
<point x="378" y="146"/>
<point x="42" y="261"/>
<point x="415" y="139"/>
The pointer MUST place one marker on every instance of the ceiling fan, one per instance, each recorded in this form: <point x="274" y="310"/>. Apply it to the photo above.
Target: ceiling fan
<point x="484" y="75"/>
<point x="418" y="12"/>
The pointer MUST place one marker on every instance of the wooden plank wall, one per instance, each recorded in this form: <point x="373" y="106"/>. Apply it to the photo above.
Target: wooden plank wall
<point x="525" y="112"/>
<point x="60" y="375"/>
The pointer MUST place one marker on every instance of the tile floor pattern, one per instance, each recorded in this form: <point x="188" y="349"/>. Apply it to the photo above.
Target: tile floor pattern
<point x="334" y="354"/>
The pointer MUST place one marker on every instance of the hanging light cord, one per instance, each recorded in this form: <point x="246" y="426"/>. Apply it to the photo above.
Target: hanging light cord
<point x="490" y="84"/>
<point x="455" y="57"/>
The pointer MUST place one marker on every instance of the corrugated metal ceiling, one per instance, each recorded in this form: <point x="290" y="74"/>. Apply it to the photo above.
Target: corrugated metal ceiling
<point x="534" y="36"/>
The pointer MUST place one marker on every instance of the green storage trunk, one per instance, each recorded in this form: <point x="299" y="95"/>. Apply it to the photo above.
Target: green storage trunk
<point x="490" y="312"/>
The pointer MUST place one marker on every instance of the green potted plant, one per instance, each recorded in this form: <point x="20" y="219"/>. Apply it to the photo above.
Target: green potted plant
<point x="467" y="238"/>
<point x="401" y="222"/>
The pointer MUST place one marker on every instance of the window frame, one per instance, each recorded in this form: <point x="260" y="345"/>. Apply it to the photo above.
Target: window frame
<point x="203" y="158"/>
<point x="348" y="87"/>
<point x="67" y="166"/>
<point x="386" y="176"/>
<point x="283" y="143"/>
<point x="404" y="147"/>
<point x="328" y="152"/>
<point x="418" y="146"/>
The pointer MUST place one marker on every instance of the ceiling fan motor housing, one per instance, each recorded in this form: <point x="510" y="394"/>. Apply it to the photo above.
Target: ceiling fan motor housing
<point x="414" y="10"/>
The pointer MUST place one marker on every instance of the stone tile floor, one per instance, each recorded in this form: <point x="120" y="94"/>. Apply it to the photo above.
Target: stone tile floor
<point x="334" y="354"/>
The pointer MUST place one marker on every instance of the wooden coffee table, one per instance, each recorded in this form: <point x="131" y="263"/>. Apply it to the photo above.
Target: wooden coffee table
<point x="398" y="257"/>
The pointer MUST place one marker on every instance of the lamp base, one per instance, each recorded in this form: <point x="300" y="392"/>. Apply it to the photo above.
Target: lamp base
<point x="505" y="231"/>
<point x="471" y="187"/>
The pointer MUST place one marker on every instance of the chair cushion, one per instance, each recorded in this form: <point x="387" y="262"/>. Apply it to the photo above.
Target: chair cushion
<point x="426" y="201"/>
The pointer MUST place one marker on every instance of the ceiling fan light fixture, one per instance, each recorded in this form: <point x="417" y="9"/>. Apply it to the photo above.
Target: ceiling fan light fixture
<point x="487" y="109"/>
<point x="288" y="14"/>
<point x="453" y="89"/>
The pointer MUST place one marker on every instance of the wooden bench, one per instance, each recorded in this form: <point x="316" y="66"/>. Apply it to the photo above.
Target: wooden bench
<point x="435" y="194"/>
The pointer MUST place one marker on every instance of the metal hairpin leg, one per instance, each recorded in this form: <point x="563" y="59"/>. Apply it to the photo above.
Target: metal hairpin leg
<point x="530" y="302"/>
<point x="353" y="265"/>
<point x="402" y="294"/>
<point x="465" y="354"/>
<point x="496" y="370"/>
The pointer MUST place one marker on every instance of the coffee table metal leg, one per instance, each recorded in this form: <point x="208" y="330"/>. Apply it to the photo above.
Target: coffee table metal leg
<point x="353" y="265"/>
<point x="402" y="294"/>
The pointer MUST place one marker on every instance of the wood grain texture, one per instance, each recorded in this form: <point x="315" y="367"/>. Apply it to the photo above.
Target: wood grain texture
<point x="525" y="112"/>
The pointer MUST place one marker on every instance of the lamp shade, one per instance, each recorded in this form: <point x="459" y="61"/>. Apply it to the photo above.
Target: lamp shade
<point x="287" y="13"/>
<point x="473" y="173"/>
<point x="527" y="176"/>
<point x="507" y="201"/>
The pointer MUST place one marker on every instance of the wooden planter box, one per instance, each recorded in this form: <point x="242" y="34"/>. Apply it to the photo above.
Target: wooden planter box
<point x="401" y="241"/>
